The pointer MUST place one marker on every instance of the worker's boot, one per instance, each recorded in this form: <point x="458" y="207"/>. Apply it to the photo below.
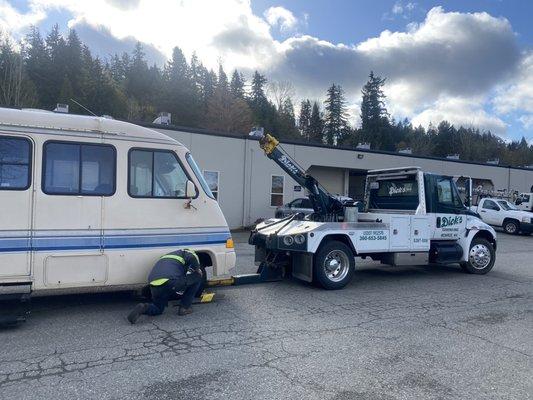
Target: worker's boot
<point x="184" y="310"/>
<point x="139" y="309"/>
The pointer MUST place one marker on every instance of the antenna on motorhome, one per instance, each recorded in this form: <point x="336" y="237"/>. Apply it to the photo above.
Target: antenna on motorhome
<point x="82" y="106"/>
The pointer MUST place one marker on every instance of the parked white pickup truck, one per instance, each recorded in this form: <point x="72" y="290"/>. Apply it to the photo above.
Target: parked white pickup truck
<point x="499" y="212"/>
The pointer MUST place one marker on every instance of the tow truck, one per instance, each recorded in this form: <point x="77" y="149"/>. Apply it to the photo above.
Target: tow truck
<point x="408" y="217"/>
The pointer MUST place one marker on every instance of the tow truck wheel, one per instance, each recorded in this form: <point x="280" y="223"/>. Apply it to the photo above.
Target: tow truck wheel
<point x="481" y="257"/>
<point x="334" y="265"/>
<point x="510" y="227"/>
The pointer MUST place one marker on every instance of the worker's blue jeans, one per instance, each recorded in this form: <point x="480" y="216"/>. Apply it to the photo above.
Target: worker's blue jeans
<point x="162" y="294"/>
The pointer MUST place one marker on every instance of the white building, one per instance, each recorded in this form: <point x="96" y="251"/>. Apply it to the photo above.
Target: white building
<point x="248" y="185"/>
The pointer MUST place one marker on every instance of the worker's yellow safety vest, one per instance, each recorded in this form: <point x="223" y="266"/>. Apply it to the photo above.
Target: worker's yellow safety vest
<point x="180" y="259"/>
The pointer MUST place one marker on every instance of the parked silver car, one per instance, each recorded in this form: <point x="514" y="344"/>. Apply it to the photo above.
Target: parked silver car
<point x="300" y="205"/>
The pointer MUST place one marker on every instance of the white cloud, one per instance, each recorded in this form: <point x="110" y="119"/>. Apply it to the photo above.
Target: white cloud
<point x="446" y="64"/>
<point x="517" y="95"/>
<point x="460" y="111"/>
<point x="527" y="121"/>
<point x="280" y="16"/>
<point x="15" y="21"/>
<point x="397" y="8"/>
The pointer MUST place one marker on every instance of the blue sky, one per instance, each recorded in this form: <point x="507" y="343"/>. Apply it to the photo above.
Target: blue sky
<point x="470" y="62"/>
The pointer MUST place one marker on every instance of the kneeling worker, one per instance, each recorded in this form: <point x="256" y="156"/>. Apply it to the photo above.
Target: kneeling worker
<point x="178" y="271"/>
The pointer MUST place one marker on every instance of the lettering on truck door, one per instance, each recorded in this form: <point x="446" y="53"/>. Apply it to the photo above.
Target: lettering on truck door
<point x="448" y="225"/>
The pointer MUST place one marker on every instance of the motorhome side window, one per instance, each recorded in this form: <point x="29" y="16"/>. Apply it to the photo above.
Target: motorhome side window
<point x="15" y="159"/>
<point x="156" y="174"/>
<point x="79" y="169"/>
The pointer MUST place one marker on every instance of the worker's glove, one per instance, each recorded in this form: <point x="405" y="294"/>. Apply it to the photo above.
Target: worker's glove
<point x="191" y="271"/>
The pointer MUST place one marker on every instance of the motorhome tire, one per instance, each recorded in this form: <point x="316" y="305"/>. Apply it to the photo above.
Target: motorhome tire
<point x="511" y="227"/>
<point x="334" y="265"/>
<point x="481" y="257"/>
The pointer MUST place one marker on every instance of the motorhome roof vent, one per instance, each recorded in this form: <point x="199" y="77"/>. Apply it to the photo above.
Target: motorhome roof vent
<point x="494" y="161"/>
<point x="363" y="146"/>
<point x="163" y="118"/>
<point x="452" y="156"/>
<point x="61" y="108"/>
<point x="405" y="151"/>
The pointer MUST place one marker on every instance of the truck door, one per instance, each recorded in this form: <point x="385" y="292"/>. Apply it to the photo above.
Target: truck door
<point x="449" y="222"/>
<point x="16" y="154"/>
<point x="491" y="213"/>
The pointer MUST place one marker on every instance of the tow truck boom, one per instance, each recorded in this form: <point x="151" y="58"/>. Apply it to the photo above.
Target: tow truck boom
<point x="326" y="207"/>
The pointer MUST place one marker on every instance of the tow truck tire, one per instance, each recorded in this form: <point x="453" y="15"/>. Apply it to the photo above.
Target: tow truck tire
<point x="334" y="265"/>
<point x="511" y="227"/>
<point x="481" y="257"/>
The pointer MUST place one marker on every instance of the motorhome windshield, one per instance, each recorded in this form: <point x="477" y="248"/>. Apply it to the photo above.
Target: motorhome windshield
<point x="199" y="175"/>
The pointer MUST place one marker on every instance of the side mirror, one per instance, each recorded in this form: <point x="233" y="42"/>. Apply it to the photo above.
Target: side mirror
<point x="190" y="190"/>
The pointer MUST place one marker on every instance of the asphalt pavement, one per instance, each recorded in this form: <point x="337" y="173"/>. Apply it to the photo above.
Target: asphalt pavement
<point x="393" y="333"/>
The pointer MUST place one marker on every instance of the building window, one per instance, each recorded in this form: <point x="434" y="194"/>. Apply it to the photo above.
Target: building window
<point x="79" y="169"/>
<point x="212" y="178"/>
<point x="156" y="174"/>
<point x="15" y="160"/>
<point x="276" y="191"/>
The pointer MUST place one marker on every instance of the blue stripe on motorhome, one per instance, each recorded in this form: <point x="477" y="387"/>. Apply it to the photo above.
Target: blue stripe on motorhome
<point x="110" y="242"/>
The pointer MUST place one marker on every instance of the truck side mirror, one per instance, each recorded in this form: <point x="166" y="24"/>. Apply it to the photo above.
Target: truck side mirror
<point x="190" y="190"/>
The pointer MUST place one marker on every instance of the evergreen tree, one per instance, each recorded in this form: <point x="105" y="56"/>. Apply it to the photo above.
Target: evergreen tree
<point x="257" y="95"/>
<point x="304" y="119"/>
<point x="336" y="124"/>
<point x="181" y="96"/>
<point x="222" y="83"/>
<point x="316" y="125"/>
<point x="375" y="124"/>
<point x="237" y="85"/>
<point x="37" y="65"/>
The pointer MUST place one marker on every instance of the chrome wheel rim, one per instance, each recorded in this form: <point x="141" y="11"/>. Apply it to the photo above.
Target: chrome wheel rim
<point x="336" y="265"/>
<point x="510" y="228"/>
<point x="479" y="256"/>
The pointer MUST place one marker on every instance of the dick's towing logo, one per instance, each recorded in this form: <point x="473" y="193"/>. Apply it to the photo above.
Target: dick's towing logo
<point x="450" y="221"/>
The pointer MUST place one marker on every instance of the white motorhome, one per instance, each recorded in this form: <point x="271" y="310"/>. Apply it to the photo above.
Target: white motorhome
<point x="90" y="203"/>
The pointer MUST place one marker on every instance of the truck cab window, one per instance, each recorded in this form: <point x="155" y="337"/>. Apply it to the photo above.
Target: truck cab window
<point x="490" y="205"/>
<point x="448" y="198"/>
<point x="156" y="174"/>
<point x="14" y="163"/>
<point x="78" y="169"/>
<point x="394" y="194"/>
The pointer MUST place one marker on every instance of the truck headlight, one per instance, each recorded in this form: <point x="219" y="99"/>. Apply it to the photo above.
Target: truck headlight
<point x="299" y="239"/>
<point x="288" y="240"/>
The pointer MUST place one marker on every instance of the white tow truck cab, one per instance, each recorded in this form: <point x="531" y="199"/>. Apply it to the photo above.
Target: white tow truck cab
<point x="90" y="203"/>
<point x="408" y="218"/>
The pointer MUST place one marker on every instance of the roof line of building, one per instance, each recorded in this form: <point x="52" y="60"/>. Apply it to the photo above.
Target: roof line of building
<point x="203" y="131"/>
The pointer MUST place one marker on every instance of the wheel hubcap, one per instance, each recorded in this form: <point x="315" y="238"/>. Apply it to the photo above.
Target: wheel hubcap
<point x="479" y="256"/>
<point x="336" y="265"/>
<point x="511" y="228"/>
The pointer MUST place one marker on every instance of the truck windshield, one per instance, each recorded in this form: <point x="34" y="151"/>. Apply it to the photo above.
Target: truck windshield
<point x="506" y="205"/>
<point x="199" y="175"/>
